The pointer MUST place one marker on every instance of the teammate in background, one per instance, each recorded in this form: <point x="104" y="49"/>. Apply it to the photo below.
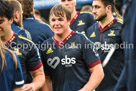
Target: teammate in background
<point x="37" y="16"/>
<point x="24" y="48"/>
<point x="11" y="75"/>
<point x="86" y="8"/>
<point x="79" y="21"/>
<point x="127" y="81"/>
<point x="66" y="64"/>
<point x="17" y="25"/>
<point x="105" y="34"/>
<point x="39" y="31"/>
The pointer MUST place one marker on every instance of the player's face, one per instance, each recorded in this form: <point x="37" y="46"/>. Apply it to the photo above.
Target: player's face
<point x="59" y="24"/>
<point x="5" y="26"/>
<point x="69" y="3"/>
<point x="99" y="11"/>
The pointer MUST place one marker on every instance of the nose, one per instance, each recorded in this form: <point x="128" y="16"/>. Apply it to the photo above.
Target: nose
<point x="94" y="11"/>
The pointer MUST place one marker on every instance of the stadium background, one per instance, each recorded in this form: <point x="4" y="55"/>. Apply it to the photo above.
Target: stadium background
<point x="44" y="6"/>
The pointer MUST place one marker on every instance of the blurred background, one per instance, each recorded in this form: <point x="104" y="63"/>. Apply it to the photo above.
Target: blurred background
<point x="44" y="6"/>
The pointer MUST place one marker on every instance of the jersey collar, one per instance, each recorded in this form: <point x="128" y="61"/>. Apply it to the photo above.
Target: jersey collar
<point x="108" y="25"/>
<point x="60" y="44"/>
<point x="11" y="39"/>
<point x="74" y="18"/>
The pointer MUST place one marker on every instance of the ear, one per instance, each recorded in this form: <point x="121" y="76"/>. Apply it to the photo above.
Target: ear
<point x="16" y="16"/>
<point x="11" y="21"/>
<point x="109" y="8"/>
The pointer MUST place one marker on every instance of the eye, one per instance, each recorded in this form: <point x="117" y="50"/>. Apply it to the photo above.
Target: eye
<point x="61" y="19"/>
<point x="1" y="21"/>
<point x="52" y="19"/>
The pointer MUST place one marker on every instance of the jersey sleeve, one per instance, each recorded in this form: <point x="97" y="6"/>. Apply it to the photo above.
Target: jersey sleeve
<point x="18" y="75"/>
<point x="43" y="58"/>
<point x="90" y="54"/>
<point x="34" y="60"/>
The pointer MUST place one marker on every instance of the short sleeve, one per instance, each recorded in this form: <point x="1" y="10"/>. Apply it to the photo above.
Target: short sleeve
<point x="34" y="59"/>
<point x="18" y="75"/>
<point x="90" y="54"/>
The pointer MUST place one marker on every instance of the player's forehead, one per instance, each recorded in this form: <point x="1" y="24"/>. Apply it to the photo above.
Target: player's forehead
<point x="97" y="3"/>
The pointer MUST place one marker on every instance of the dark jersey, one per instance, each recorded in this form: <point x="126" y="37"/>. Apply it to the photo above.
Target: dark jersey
<point x="127" y="81"/>
<point x="104" y="39"/>
<point x="10" y="77"/>
<point x="68" y="62"/>
<point x="20" y="31"/>
<point x="28" y="55"/>
<point x="39" y="31"/>
<point x="82" y="22"/>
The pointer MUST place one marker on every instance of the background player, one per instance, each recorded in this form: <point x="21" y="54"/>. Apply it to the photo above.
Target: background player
<point x="79" y="21"/>
<point x="17" y="25"/>
<point x="28" y="54"/>
<point x="106" y="34"/>
<point x="39" y="31"/>
<point x="68" y="65"/>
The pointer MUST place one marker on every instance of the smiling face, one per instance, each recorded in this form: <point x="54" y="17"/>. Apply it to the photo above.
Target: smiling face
<point x="99" y="10"/>
<point x="5" y="26"/>
<point x="69" y="3"/>
<point x="59" y="24"/>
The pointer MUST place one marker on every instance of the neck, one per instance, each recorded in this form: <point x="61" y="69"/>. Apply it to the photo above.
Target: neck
<point x="106" y="20"/>
<point x="73" y="14"/>
<point x="7" y="37"/>
<point x="61" y="37"/>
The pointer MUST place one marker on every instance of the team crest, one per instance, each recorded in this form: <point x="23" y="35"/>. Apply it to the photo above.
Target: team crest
<point x="81" y="23"/>
<point x="111" y="33"/>
<point x="93" y="35"/>
<point x="49" y="51"/>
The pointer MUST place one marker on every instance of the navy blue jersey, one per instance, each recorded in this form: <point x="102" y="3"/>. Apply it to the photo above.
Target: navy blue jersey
<point x="20" y="31"/>
<point x="104" y="39"/>
<point x="68" y="62"/>
<point x="82" y="22"/>
<point x="10" y="77"/>
<point x="127" y="81"/>
<point x="39" y="31"/>
<point x="28" y="55"/>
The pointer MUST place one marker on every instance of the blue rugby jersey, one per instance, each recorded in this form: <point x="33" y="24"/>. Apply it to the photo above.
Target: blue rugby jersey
<point x="28" y="55"/>
<point x="39" y="31"/>
<point x="104" y="39"/>
<point x="20" y="31"/>
<point x="10" y="77"/>
<point x="68" y="62"/>
<point x="82" y="22"/>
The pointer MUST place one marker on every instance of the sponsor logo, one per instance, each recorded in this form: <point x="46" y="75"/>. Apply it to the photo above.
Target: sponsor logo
<point x="49" y="51"/>
<point x="93" y="35"/>
<point x="105" y="47"/>
<point x="66" y="61"/>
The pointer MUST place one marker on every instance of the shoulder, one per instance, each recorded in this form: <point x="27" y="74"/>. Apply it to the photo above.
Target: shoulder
<point x="21" y="39"/>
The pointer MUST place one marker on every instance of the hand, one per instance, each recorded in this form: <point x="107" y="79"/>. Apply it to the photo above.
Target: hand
<point x="85" y="89"/>
<point x="28" y="87"/>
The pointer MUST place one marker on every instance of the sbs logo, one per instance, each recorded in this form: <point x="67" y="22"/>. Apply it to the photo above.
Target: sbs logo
<point x="67" y="62"/>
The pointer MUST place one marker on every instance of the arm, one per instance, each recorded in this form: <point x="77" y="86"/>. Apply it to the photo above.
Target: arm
<point x="17" y="89"/>
<point x="47" y="85"/>
<point x="38" y="80"/>
<point x="95" y="78"/>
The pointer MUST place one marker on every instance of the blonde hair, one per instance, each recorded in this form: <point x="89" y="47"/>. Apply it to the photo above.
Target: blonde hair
<point x="3" y="49"/>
